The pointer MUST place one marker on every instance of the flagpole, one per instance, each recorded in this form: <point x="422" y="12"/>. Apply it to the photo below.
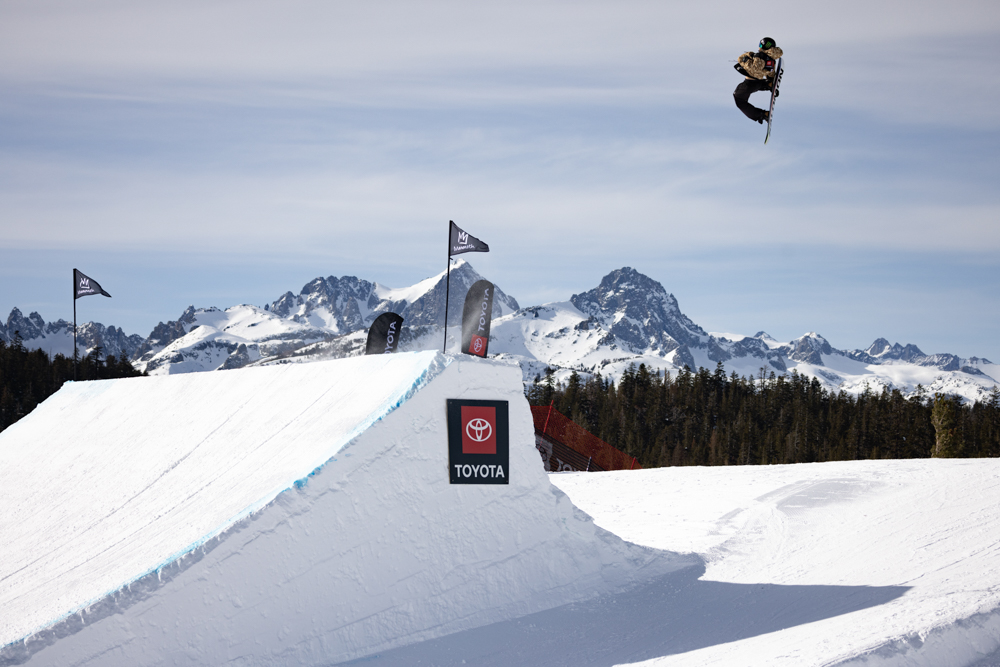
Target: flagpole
<point x="74" y="325"/>
<point x="447" y="288"/>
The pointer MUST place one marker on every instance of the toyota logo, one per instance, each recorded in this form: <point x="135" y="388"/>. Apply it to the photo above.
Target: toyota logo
<point x="478" y="345"/>
<point x="478" y="430"/>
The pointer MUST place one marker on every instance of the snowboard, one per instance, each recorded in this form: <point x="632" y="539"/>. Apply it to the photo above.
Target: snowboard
<point x="778" y="71"/>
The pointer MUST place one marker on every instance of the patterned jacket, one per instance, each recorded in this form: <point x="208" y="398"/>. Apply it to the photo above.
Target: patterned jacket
<point x="758" y="65"/>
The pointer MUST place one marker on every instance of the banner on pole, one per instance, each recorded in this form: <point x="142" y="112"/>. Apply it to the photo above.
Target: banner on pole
<point x="459" y="241"/>
<point x="462" y="241"/>
<point x="85" y="286"/>
<point x="383" y="335"/>
<point x="476" y="316"/>
<point x="478" y="442"/>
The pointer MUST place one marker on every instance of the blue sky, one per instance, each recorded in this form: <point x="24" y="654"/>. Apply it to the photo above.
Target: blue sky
<point x="214" y="153"/>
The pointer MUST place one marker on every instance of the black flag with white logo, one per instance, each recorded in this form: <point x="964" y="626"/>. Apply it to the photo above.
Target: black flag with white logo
<point x="383" y="336"/>
<point x="476" y="316"/>
<point x="84" y="286"/>
<point x="462" y="241"/>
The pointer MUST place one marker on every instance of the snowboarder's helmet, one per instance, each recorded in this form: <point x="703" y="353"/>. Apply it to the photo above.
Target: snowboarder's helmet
<point x="767" y="43"/>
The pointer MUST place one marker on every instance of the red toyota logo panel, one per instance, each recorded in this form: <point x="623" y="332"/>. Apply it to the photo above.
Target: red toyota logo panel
<point x="479" y="432"/>
<point x="478" y="346"/>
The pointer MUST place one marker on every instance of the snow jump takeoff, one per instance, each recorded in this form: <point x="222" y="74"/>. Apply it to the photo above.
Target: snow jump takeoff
<point x="763" y="72"/>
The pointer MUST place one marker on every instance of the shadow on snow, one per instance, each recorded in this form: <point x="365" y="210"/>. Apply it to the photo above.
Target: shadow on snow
<point x="672" y="614"/>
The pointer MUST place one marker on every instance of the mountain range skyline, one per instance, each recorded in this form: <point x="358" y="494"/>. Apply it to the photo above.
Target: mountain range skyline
<point x="629" y="318"/>
<point x="34" y="325"/>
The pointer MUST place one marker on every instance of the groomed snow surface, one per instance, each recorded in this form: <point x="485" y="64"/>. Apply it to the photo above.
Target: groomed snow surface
<point x="860" y="562"/>
<point x="297" y="515"/>
<point x="302" y="515"/>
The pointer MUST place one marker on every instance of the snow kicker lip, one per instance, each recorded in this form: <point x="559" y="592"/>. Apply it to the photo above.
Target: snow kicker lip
<point x="427" y="366"/>
<point x="376" y="546"/>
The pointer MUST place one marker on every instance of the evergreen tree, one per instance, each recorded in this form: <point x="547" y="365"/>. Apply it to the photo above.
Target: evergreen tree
<point x="28" y="377"/>
<point x="944" y="416"/>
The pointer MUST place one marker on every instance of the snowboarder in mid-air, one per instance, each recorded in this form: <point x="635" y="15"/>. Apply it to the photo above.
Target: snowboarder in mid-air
<point x="759" y="70"/>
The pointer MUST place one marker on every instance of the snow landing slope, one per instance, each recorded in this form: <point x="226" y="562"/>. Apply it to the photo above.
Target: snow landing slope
<point x="851" y="563"/>
<point x="298" y="514"/>
<point x="872" y="563"/>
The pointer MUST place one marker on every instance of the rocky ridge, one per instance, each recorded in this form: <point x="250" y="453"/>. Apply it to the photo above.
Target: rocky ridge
<point x="626" y="320"/>
<point x="321" y="321"/>
<point x="57" y="337"/>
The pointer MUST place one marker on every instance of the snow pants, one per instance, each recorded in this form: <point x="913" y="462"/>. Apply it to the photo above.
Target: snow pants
<point x="742" y="97"/>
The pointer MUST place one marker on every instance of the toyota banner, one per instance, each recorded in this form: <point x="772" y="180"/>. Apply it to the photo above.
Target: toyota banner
<point x="478" y="442"/>
<point x="383" y="335"/>
<point x="476" y="318"/>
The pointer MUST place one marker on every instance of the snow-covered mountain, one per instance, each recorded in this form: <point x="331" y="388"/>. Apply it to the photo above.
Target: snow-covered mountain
<point x="329" y="318"/>
<point x="57" y="337"/>
<point x="629" y="318"/>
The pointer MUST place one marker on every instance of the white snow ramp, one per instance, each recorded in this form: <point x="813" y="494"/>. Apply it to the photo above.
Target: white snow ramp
<point x="299" y="514"/>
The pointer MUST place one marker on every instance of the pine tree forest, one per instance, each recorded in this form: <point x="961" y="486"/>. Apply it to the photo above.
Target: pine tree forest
<point x="28" y="377"/>
<point x="706" y="418"/>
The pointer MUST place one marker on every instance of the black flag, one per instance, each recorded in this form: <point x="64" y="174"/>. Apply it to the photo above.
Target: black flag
<point x="383" y="336"/>
<point x="84" y="286"/>
<point x="476" y="316"/>
<point x="461" y="241"/>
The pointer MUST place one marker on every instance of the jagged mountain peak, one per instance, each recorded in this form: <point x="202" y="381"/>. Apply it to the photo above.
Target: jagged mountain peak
<point x="621" y="289"/>
<point x="423" y="304"/>
<point x="349" y="303"/>
<point x="57" y="337"/>
<point x="325" y="310"/>
<point x="881" y="351"/>
<point x="879" y="347"/>
<point x="638" y="312"/>
<point x="809" y="349"/>
<point x="32" y="326"/>
<point x="338" y="304"/>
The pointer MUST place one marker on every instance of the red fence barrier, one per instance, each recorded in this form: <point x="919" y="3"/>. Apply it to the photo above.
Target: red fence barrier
<point x="564" y="445"/>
